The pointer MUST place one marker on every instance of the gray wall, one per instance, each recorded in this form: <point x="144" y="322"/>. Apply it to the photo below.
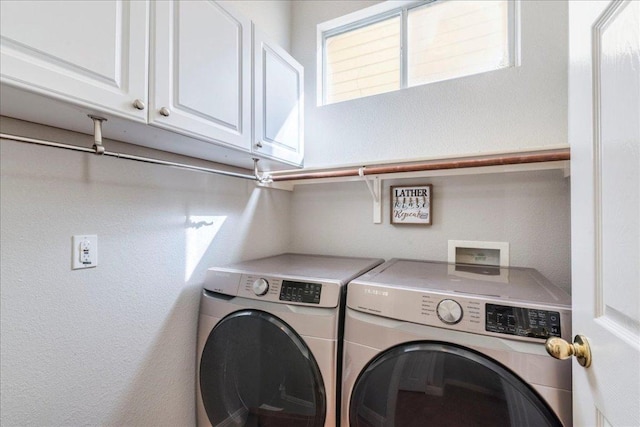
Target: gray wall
<point x="115" y="345"/>
<point x="514" y="108"/>
<point x="510" y="109"/>
<point x="273" y="17"/>
<point x="529" y="210"/>
<point x="112" y="345"/>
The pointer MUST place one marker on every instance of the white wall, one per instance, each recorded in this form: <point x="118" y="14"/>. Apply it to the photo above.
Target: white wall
<point x="530" y="210"/>
<point x="113" y="345"/>
<point x="273" y="17"/>
<point x="515" y="108"/>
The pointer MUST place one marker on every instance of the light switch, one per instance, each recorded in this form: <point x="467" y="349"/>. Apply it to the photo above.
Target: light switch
<point x="84" y="251"/>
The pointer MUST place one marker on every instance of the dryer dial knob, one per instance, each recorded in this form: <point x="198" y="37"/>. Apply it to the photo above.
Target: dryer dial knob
<point x="260" y="287"/>
<point x="449" y="311"/>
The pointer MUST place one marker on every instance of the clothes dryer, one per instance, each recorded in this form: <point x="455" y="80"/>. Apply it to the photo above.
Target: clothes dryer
<point x="436" y="344"/>
<point x="269" y="340"/>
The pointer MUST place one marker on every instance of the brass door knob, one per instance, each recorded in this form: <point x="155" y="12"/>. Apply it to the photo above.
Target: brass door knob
<point x="560" y="349"/>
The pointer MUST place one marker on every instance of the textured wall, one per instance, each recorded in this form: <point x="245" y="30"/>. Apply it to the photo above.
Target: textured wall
<point x="514" y="108"/>
<point x="530" y="210"/>
<point x="112" y="345"/>
<point x="115" y="345"/>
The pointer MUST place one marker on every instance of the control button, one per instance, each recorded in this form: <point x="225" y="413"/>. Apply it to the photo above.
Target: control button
<point x="260" y="286"/>
<point x="449" y="311"/>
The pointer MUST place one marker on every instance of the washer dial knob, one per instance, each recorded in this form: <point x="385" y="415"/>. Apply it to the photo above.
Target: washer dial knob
<point x="449" y="311"/>
<point x="260" y="286"/>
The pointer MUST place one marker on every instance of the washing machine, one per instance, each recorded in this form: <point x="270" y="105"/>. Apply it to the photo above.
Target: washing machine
<point x="270" y="340"/>
<point x="437" y="344"/>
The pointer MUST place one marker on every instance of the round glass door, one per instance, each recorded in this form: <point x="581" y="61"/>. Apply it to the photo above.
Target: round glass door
<point x="256" y="371"/>
<point x="437" y="384"/>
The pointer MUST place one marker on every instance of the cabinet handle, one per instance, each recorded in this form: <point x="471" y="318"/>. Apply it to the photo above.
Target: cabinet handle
<point x="138" y="104"/>
<point x="164" y="111"/>
<point x="258" y="143"/>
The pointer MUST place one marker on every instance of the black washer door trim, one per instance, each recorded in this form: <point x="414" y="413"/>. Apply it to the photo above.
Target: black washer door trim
<point x="256" y="370"/>
<point x="442" y="384"/>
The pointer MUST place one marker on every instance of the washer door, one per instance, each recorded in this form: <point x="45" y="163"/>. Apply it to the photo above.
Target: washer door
<point x="256" y="371"/>
<point x="437" y="384"/>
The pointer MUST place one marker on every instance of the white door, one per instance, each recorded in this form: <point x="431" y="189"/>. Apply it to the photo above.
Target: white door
<point x="89" y="53"/>
<point x="201" y="71"/>
<point x="279" y="103"/>
<point x="604" y="133"/>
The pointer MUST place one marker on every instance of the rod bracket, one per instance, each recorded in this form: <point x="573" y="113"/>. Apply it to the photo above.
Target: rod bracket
<point x="375" y="189"/>
<point x="260" y="177"/>
<point x="97" y="133"/>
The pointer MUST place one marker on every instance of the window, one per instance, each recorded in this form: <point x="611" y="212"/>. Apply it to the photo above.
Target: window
<point x="399" y="44"/>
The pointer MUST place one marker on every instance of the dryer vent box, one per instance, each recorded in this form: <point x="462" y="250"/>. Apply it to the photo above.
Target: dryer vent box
<point x="479" y="253"/>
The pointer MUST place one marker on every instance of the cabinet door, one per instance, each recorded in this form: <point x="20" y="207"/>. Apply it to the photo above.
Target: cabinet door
<point x="201" y="72"/>
<point x="90" y="53"/>
<point x="279" y="103"/>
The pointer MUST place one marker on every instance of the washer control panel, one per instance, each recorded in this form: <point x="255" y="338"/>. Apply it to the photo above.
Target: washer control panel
<point x="522" y="322"/>
<point x="477" y="314"/>
<point x="260" y="286"/>
<point x="449" y="311"/>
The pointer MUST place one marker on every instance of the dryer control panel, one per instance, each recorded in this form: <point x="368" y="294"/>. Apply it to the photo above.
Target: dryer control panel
<point x="289" y="290"/>
<point x="305" y="292"/>
<point x="291" y="279"/>
<point x="278" y="289"/>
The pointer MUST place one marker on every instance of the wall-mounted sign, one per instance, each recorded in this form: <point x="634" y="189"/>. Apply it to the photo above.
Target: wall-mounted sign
<point x="411" y="204"/>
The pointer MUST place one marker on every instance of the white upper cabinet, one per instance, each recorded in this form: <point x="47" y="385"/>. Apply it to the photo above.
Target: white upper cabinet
<point x="92" y="54"/>
<point x="201" y="72"/>
<point x="278" y="102"/>
<point x="187" y="68"/>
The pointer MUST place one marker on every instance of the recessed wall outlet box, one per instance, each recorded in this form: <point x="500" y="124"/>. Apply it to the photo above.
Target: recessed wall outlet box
<point x="479" y="253"/>
<point x="84" y="251"/>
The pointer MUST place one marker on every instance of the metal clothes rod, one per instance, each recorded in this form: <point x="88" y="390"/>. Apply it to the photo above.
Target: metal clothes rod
<point x="507" y="159"/>
<point x="16" y="138"/>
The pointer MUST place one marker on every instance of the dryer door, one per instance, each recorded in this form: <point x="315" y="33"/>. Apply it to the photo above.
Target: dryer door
<point x="438" y="384"/>
<point x="256" y="371"/>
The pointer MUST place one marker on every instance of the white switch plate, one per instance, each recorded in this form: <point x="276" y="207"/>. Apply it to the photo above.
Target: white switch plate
<point x="84" y="251"/>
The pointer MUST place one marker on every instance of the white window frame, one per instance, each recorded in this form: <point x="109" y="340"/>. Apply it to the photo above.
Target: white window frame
<point x="388" y="9"/>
